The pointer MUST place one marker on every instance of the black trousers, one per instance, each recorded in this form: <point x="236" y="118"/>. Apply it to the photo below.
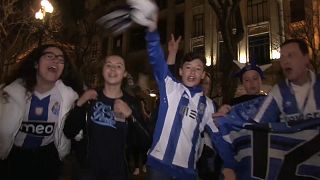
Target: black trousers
<point x="37" y="164"/>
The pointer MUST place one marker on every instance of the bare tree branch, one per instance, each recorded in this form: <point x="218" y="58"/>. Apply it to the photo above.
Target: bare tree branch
<point x="308" y="29"/>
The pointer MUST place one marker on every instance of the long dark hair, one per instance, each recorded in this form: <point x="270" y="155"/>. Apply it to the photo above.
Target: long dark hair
<point x="27" y="72"/>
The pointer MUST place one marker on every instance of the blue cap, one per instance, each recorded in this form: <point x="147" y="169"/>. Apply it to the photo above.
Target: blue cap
<point x="249" y="66"/>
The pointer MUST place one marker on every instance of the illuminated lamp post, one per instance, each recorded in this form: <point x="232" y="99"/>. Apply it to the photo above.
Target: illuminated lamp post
<point x="46" y="7"/>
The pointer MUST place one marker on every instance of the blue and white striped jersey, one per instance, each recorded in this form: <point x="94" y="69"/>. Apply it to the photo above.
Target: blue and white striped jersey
<point x="183" y="114"/>
<point x="38" y="126"/>
<point x="285" y="142"/>
<point x="276" y="150"/>
<point x="289" y="102"/>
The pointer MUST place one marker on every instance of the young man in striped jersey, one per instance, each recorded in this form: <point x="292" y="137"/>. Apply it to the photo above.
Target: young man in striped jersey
<point x="184" y="113"/>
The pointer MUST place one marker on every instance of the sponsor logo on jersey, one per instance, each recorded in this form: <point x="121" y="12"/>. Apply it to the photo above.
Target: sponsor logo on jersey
<point x="37" y="128"/>
<point x="186" y="111"/>
<point x="288" y="104"/>
<point x="296" y="117"/>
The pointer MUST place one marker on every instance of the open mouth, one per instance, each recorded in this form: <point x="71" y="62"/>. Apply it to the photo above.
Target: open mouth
<point x="112" y="75"/>
<point x="52" y="68"/>
<point x="191" y="78"/>
<point x="287" y="70"/>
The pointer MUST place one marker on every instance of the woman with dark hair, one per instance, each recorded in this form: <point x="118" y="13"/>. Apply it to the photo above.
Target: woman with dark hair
<point x="33" y="106"/>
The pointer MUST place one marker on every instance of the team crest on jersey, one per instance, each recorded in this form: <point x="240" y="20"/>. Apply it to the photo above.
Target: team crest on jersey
<point x="38" y="111"/>
<point x="202" y="108"/>
<point x="288" y="103"/>
<point x="55" y="108"/>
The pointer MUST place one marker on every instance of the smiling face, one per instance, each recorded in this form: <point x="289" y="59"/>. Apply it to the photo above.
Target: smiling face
<point x="251" y="81"/>
<point x="192" y="72"/>
<point x="294" y="63"/>
<point x="114" y="70"/>
<point x="50" y="65"/>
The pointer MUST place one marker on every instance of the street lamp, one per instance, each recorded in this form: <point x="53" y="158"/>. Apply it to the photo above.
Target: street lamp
<point x="46" y="7"/>
<point x="152" y="94"/>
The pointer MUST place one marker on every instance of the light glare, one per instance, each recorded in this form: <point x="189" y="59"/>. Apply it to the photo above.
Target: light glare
<point x="39" y="15"/>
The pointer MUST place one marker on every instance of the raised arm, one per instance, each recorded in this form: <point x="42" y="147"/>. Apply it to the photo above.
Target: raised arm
<point x="173" y="47"/>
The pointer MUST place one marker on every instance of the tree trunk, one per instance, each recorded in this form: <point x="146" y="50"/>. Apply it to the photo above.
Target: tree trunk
<point x="227" y="11"/>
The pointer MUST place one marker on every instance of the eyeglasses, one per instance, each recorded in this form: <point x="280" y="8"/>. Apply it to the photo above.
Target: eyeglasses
<point x="51" y="56"/>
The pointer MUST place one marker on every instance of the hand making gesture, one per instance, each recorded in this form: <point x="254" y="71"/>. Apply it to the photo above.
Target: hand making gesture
<point x="173" y="46"/>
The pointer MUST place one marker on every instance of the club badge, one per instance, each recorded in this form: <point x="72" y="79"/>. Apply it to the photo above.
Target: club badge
<point x="55" y="108"/>
<point x="38" y="111"/>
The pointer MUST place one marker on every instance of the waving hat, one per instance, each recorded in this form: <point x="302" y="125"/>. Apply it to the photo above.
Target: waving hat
<point x="244" y="67"/>
<point x="142" y="12"/>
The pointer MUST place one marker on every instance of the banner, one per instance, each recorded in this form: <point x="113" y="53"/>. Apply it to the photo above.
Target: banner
<point x="282" y="150"/>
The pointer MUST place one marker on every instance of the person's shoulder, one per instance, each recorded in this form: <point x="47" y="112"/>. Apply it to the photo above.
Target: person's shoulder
<point x="281" y="86"/>
<point x="16" y="83"/>
<point x="65" y="90"/>
<point x="211" y="105"/>
<point x="14" y="88"/>
<point x="129" y="98"/>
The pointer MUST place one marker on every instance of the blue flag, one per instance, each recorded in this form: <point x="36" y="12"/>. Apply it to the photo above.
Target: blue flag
<point x="279" y="150"/>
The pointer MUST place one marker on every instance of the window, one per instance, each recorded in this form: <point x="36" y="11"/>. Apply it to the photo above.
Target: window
<point x="179" y="25"/>
<point x="198" y="21"/>
<point x="297" y="11"/>
<point x="258" y="11"/>
<point x="259" y="49"/>
<point x="198" y="50"/>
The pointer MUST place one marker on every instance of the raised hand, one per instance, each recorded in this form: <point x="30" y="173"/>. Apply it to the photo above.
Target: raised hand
<point x="222" y="111"/>
<point x="90" y="94"/>
<point x="145" y="13"/>
<point x="116" y="21"/>
<point x="121" y="108"/>
<point x="173" y="47"/>
<point x="173" y="44"/>
<point x="142" y="12"/>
